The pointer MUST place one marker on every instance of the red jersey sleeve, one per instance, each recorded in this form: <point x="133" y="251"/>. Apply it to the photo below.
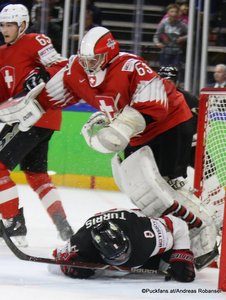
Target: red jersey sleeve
<point x="148" y="93"/>
<point x="41" y="49"/>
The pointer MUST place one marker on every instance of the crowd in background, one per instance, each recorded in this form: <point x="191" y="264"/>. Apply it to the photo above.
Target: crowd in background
<point x="170" y="37"/>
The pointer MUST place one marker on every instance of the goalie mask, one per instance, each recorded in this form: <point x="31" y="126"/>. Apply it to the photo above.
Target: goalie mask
<point x="15" y="13"/>
<point x="114" y="246"/>
<point x="98" y="47"/>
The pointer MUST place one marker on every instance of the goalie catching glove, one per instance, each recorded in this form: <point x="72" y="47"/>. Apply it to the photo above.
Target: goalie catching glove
<point x="69" y="254"/>
<point x="23" y="109"/>
<point x="107" y="136"/>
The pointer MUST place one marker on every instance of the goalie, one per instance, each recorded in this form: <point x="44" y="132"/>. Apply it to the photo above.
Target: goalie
<point x="142" y="115"/>
<point x="137" y="107"/>
<point x="128" y="238"/>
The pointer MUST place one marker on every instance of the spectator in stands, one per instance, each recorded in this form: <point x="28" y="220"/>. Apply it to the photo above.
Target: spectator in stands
<point x="170" y="37"/>
<point x="183" y="12"/>
<point x="220" y="76"/>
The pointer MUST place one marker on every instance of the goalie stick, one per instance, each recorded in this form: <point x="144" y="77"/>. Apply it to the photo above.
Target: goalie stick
<point x="78" y="264"/>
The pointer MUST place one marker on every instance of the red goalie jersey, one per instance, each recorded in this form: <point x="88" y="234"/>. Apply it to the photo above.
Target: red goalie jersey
<point x="130" y="81"/>
<point x="19" y="59"/>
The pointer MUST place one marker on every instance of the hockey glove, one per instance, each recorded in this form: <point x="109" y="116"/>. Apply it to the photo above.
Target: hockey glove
<point x="182" y="265"/>
<point x="96" y="122"/>
<point x="68" y="254"/>
<point x="116" y="134"/>
<point x="35" y="77"/>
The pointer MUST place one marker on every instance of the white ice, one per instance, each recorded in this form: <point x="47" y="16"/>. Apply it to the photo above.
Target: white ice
<point x="22" y="280"/>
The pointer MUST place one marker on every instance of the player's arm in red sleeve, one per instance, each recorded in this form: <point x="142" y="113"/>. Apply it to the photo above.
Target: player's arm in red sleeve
<point x="43" y="50"/>
<point x="148" y="93"/>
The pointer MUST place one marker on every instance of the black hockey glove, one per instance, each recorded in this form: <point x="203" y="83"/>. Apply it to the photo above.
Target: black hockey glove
<point x="35" y="77"/>
<point x="73" y="272"/>
<point x="182" y="265"/>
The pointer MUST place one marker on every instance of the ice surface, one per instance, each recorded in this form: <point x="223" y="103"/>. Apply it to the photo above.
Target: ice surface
<point x="21" y="280"/>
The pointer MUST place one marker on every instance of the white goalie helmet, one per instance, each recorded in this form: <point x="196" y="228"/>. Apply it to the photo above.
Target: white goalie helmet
<point x="98" y="47"/>
<point x="15" y="13"/>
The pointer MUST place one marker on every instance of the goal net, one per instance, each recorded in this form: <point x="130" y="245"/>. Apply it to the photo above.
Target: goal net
<point x="210" y="165"/>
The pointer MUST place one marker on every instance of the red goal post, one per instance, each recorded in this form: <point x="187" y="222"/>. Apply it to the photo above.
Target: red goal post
<point x="210" y="161"/>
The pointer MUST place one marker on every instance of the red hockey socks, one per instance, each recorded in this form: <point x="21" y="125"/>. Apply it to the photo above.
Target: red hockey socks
<point x="9" y="200"/>
<point x="47" y="192"/>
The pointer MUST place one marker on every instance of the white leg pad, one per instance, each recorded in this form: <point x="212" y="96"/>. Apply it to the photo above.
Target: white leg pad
<point x="136" y="176"/>
<point x="139" y="178"/>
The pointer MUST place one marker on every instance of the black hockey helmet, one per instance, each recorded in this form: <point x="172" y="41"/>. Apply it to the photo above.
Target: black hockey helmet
<point x="114" y="246"/>
<point x="168" y="72"/>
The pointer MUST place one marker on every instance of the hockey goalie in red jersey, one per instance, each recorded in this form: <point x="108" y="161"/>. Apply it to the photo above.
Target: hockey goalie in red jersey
<point x="137" y="107"/>
<point x="138" y="113"/>
<point x="127" y="238"/>
<point x="24" y="58"/>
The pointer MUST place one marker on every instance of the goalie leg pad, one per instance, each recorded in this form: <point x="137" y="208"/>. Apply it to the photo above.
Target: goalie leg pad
<point x="136" y="176"/>
<point x="139" y="178"/>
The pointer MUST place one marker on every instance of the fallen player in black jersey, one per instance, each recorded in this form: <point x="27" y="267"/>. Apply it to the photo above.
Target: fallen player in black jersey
<point x="130" y="239"/>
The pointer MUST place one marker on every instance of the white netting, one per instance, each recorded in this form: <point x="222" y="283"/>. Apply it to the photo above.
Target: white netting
<point x="214" y="170"/>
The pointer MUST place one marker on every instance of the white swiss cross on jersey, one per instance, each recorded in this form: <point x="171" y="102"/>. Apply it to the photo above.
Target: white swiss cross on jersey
<point x="107" y="105"/>
<point x="8" y="73"/>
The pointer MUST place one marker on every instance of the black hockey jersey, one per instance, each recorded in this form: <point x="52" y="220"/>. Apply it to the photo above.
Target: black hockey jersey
<point x="148" y="236"/>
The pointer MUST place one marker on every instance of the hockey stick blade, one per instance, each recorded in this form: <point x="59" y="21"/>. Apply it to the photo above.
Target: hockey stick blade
<point x="78" y="264"/>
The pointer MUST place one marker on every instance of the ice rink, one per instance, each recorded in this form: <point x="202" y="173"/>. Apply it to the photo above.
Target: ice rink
<point x="22" y="280"/>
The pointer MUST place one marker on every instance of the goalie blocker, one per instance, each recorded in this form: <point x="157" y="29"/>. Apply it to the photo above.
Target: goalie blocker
<point x="23" y="109"/>
<point x="139" y="178"/>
